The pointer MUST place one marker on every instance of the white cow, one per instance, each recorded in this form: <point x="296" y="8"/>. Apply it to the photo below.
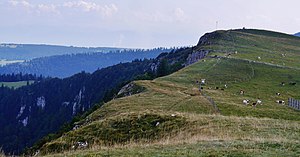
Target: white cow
<point x="280" y="102"/>
<point x="258" y="102"/>
<point x="82" y="144"/>
<point x="246" y="102"/>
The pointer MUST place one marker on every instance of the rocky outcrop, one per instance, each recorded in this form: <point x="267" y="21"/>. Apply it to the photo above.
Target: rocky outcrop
<point x="196" y="56"/>
<point x="130" y="89"/>
<point x="208" y="38"/>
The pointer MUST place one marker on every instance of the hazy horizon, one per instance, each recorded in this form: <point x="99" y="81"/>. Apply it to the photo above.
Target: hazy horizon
<point x="137" y="24"/>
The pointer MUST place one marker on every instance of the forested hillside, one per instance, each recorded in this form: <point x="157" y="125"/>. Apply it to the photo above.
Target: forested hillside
<point x="30" y="51"/>
<point x="30" y="112"/>
<point x="67" y="65"/>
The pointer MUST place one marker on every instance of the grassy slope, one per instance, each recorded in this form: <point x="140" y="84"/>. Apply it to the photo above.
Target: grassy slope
<point x="251" y="44"/>
<point x="198" y="129"/>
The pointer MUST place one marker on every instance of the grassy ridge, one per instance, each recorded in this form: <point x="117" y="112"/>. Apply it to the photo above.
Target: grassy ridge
<point x="271" y="47"/>
<point x="197" y="128"/>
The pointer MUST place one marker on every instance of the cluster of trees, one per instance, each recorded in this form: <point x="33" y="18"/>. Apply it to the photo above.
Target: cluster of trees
<point x="20" y="77"/>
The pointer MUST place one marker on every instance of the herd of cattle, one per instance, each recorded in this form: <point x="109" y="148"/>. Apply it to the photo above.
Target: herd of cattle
<point x="254" y="103"/>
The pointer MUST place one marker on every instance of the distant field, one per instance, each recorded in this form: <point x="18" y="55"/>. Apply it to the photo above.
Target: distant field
<point x="5" y="62"/>
<point x="15" y="84"/>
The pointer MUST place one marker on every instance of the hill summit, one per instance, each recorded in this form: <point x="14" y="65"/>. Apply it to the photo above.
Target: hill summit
<point x="231" y="99"/>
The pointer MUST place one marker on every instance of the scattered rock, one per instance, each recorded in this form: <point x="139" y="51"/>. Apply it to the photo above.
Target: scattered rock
<point x="130" y="89"/>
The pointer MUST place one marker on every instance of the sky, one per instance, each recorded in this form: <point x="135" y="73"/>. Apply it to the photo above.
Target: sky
<point x="138" y="23"/>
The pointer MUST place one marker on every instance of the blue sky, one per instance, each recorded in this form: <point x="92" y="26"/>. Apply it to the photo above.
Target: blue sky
<point x="138" y="23"/>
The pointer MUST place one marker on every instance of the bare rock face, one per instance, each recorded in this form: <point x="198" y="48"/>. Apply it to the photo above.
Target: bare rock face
<point x="196" y="56"/>
<point x="130" y="89"/>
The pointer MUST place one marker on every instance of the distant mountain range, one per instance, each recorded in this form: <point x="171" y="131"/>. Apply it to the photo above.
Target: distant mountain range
<point x="69" y="64"/>
<point x="30" y="51"/>
<point x="297" y="34"/>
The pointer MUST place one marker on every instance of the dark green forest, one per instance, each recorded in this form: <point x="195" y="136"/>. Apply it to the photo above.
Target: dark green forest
<point x="33" y="111"/>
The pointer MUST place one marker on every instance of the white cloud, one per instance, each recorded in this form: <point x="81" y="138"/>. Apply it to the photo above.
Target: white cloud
<point x="85" y="6"/>
<point x="154" y="16"/>
<point x="105" y="10"/>
<point x="51" y="8"/>
<point x="35" y="8"/>
<point x="180" y="15"/>
<point x="22" y="3"/>
<point x="162" y="16"/>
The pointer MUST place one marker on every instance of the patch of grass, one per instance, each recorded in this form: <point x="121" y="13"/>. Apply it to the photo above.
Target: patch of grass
<point x="119" y="130"/>
<point x="208" y="135"/>
<point x="15" y="84"/>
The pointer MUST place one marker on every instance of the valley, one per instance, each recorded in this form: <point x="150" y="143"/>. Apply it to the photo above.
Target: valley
<point x="110" y="78"/>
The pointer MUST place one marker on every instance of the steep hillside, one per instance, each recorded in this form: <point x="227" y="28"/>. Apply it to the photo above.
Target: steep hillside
<point x="33" y="111"/>
<point x="173" y="117"/>
<point x="37" y="109"/>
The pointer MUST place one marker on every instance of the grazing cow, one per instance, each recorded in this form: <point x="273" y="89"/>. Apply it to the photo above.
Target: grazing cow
<point x="82" y="144"/>
<point x="246" y="101"/>
<point x="76" y="127"/>
<point x="228" y="55"/>
<point x="292" y="83"/>
<point x="259" y="102"/>
<point x="254" y="104"/>
<point x="258" y="58"/>
<point x="278" y="94"/>
<point x="202" y="81"/>
<point x="282" y="83"/>
<point x="217" y="87"/>
<point x="157" y="123"/>
<point x="242" y="92"/>
<point x="280" y="102"/>
<point x="225" y="85"/>
<point x="222" y="89"/>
